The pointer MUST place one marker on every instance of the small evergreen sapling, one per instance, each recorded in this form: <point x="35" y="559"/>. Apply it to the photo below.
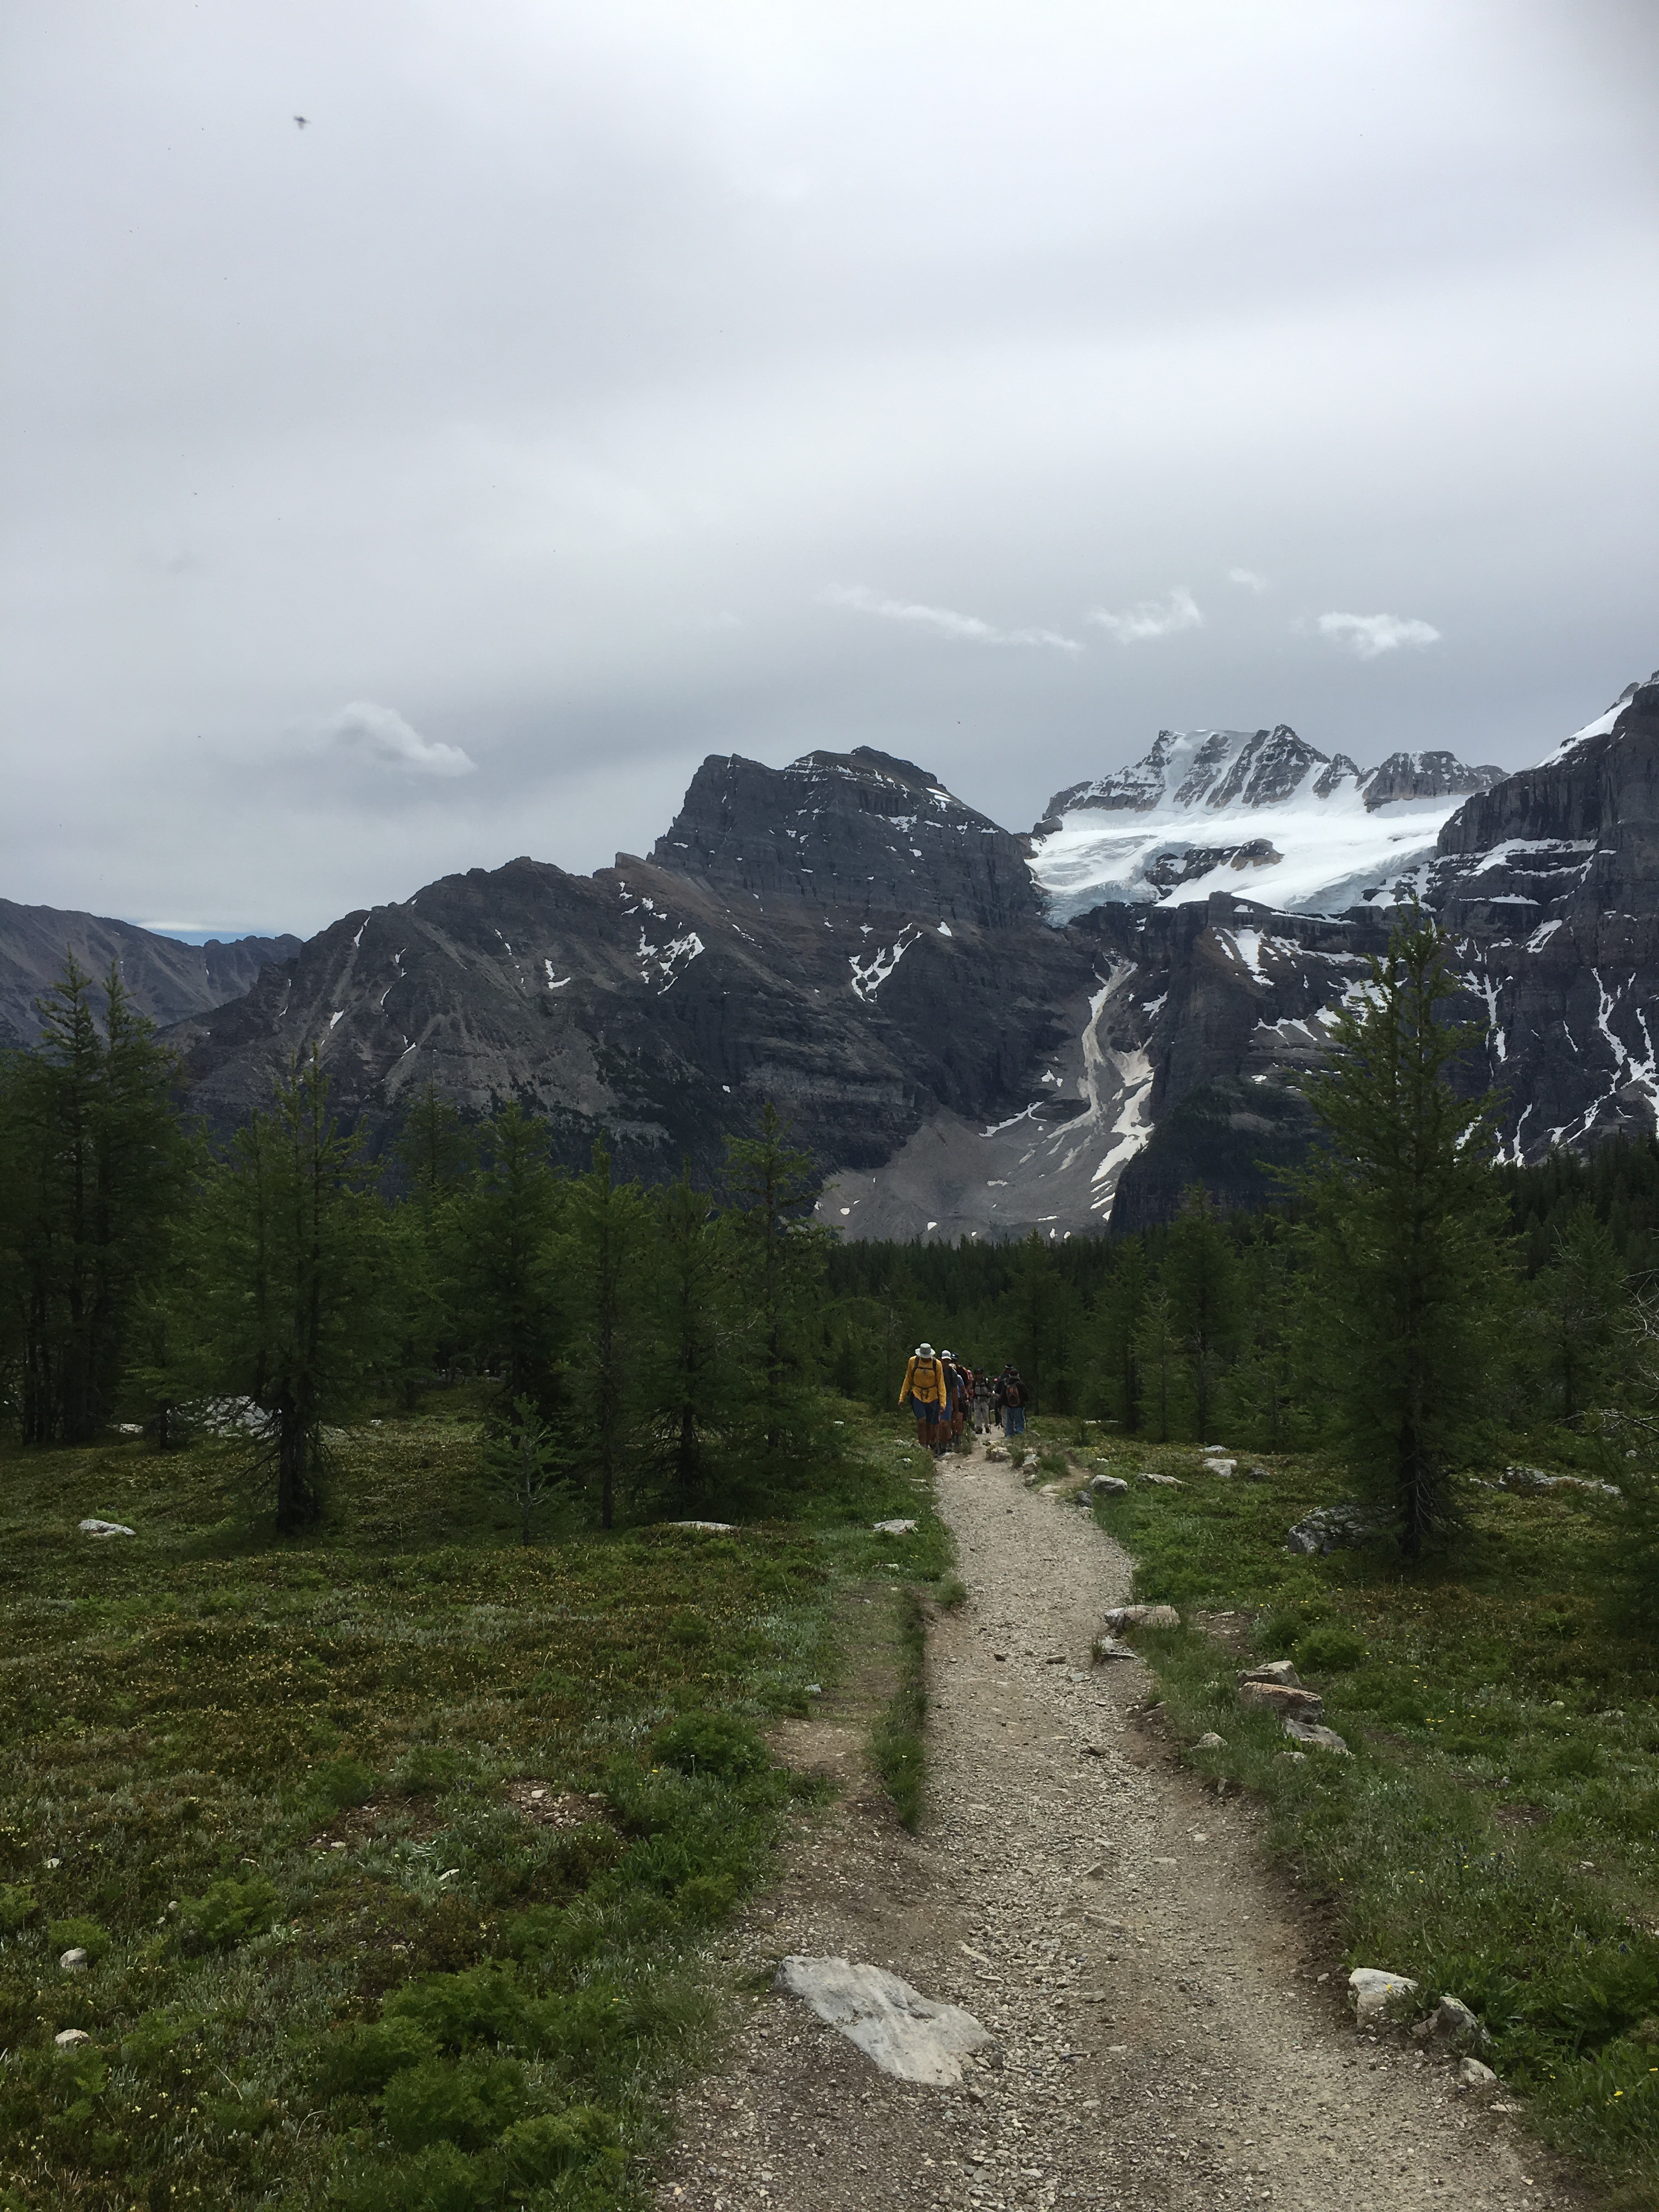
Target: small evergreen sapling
<point x="519" y="1461"/>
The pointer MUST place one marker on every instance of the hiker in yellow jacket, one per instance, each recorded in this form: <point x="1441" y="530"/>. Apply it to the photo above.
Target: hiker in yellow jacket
<point x="927" y="1395"/>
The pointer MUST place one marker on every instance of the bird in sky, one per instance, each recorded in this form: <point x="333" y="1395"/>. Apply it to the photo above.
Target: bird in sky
<point x="302" y="120"/>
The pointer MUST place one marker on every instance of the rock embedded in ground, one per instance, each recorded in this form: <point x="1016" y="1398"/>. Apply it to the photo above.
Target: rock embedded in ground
<point x="1330" y="1528"/>
<point x="709" y="1527"/>
<point x="899" y="2030"/>
<point x="1162" y="1481"/>
<point x="1215" y="1465"/>
<point x="1283" y="1699"/>
<point x="105" y="1528"/>
<point x="70" y="2038"/>
<point x="1378" y="1995"/>
<point x="74" y="1961"/>
<point x="1453" y="2019"/>
<point x="1113" y="1485"/>
<point x="1109" y="1647"/>
<point x="1310" y="1732"/>
<point x="1475" y="2074"/>
<point x="1210" y="1741"/>
<point x="1274" y="1670"/>
<point x="1257" y="1474"/>
<point x="1141" y="1616"/>
<point x="894" y="1528"/>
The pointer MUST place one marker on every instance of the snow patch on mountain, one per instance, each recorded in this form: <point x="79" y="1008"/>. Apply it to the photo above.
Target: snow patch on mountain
<point x="1260" y="813"/>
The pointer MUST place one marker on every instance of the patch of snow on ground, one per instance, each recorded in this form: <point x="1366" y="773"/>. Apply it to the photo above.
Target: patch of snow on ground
<point x="870" y="972"/>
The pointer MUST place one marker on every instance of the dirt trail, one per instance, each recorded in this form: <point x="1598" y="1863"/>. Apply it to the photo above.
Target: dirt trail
<point x="1164" y="2040"/>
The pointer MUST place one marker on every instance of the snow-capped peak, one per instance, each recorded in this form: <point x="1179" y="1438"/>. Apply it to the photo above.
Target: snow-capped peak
<point x="1259" y="813"/>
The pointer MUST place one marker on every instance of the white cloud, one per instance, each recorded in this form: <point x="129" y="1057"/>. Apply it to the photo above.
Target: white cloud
<point x="942" y="618"/>
<point x="1251" y="579"/>
<point x="1370" y="635"/>
<point x="381" y="733"/>
<point x="1152" y="617"/>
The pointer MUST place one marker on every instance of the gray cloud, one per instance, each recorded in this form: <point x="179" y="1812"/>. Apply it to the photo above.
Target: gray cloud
<point x="1372" y="636"/>
<point x="380" y="734"/>
<point x="1248" y="578"/>
<point x="539" y="384"/>
<point x="1152" y="617"/>
<point x="946" y="619"/>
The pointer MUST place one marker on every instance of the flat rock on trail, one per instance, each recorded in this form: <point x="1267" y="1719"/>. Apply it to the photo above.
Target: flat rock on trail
<point x="1162" y="2036"/>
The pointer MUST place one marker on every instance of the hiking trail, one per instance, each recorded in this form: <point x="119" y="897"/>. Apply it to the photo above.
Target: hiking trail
<point x="1170" y="2033"/>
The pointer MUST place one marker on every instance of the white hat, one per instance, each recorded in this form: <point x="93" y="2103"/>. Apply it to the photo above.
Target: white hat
<point x="925" y="1351"/>
<point x="947" y="1355"/>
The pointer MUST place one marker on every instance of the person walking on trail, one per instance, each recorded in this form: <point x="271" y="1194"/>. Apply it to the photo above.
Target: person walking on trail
<point x="925" y="1394"/>
<point x="956" y="1384"/>
<point x="1010" y="1396"/>
<point x="985" y="1394"/>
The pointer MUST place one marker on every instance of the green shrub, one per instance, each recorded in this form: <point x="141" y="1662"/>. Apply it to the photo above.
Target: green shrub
<point x="1276" y="1636"/>
<point x="719" y="1745"/>
<point x="1575" y="1760"/>
<point x="360" y="2060"/>
<point x="467" y="2104"/>
<point x="541" y="2150"/>
<point x="426" y="1769"/>
<point x="88" y="1935"/>
<point x="17" y="1907"/>
<point x="342" y="1783"/>
<point x="230" y="1912"/>
<point x="1328" y="1651"/>
<point x="442" y="2180"/>
<point x="485" y="2004"/>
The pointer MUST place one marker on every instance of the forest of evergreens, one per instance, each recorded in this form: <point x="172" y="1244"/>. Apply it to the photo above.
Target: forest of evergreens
<point x="1405" y="1305"/>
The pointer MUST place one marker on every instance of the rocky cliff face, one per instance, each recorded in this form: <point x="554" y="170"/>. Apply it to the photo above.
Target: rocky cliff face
<point x="824" y="935"/>
<point x="168" y="979"/>
<point x="847" y="938"/>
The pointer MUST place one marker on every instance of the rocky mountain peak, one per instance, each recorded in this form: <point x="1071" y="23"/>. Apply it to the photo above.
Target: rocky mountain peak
<point x="862" y="830"/>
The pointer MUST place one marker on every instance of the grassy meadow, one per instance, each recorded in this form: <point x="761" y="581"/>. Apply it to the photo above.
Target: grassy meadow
<point x="1495" y="1834"/>
<point x="395" y="1850"/>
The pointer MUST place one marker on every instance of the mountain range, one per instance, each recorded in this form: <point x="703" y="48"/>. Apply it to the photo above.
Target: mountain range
<point x="975" y="1032"/>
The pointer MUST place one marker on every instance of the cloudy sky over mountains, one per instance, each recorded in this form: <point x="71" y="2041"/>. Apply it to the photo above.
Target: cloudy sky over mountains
<point x="578" y="391"/>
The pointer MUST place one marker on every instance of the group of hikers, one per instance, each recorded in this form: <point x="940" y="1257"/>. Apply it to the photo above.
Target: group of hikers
<point x="943" y="1394"/>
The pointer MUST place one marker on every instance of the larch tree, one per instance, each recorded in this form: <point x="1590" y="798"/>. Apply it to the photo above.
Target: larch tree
<point x="1414" y="1278"/>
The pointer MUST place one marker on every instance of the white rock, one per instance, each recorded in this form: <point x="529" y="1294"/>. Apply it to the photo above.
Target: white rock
<point x="1377" y="1994"/>
<point x="1110" y="1485"/>
<point x="1474" y="2074"/>
<point x="902" y="2031"/>
<point x="105" y="1528"/>
<point x="1222" y="1467"/>
<point x="69" y="2039"/>
<point x="1162" y="1481"/>
<point x="711" y="1528"/>
<point x="1276" y="1670"/>
<point x="1212" y="1741"/>
<point x="1108" y="1647"/>
<point x="1311" y="1732"/>
<point x="129" y="1429"/>
<point x="1453" y="2017"/>
<point x="1141" y="1616"/>
<point x="74" y="1962"/>
<point x="894" y="1528"/>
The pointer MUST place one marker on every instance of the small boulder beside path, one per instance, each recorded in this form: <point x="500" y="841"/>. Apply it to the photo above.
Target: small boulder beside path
<point x="105" y="1528"/>
<point x="1378" y="1995"/>
<point x="899" y="2030"/>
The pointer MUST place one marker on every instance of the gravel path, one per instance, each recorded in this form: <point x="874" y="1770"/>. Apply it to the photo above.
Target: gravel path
<point x="1164" y="2039"/>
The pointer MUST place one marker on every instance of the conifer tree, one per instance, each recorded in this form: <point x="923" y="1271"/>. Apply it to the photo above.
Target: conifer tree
<point x="501" y="1229"/>
<point x="601" y="1252"/>
<point x="686" y="1385"/>
<point x="292" y="1301"/>
<point x="1199" y="1277"/>
<point x="1157" y="1352"/>
<point x="1579" y="1313"/>
<point x="777" y="1266"/>
<point x="1414" y="1277"/>
<point x="96" y="1177"/>
<point x="1119" y="1312"/>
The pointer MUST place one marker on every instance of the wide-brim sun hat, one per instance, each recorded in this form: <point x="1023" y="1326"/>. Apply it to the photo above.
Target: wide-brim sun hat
<point x="926" y="1352"/>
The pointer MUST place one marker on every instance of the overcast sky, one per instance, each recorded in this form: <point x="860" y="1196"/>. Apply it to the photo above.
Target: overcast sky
<point x="585" y="389"/>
